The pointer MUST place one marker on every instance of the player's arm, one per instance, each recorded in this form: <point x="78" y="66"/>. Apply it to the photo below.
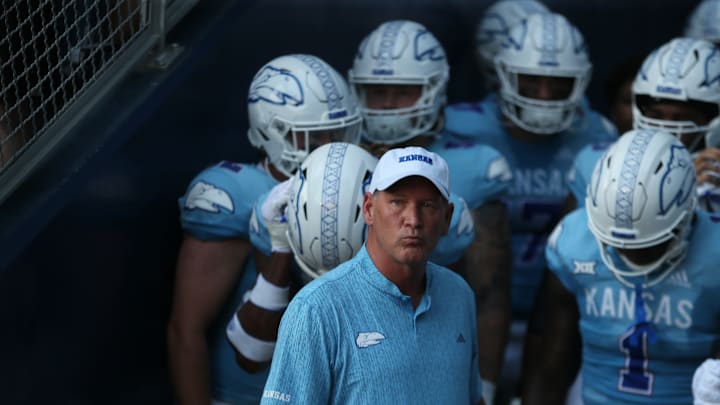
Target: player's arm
<point x="487" y="268"/>
<point x="551" y="355"/>
<point x="253" y="330"/>
<point x="259" y="316"/>
<point x="207" y="271"/>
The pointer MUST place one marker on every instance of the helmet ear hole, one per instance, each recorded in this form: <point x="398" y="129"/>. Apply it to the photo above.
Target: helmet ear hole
<point x="659" y="166"/>
<point x="357" y="213"/>
<point x="263" y="135"/>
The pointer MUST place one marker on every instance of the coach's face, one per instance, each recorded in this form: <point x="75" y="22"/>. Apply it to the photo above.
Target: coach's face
<point x="407" y="219"/>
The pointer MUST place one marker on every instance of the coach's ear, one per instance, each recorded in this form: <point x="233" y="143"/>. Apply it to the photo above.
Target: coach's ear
<point x="367" y="207"/>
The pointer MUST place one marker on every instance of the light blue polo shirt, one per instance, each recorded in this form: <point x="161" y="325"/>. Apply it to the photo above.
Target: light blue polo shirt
<point x="351" y="337"/>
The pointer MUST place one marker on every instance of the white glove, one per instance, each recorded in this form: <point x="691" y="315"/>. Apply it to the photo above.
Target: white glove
<point x="273" y="215"/>
<point x="706" y="383"/>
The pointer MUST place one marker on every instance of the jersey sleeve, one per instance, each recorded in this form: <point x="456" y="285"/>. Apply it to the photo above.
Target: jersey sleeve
<point x="218" y="202"/>
<point x="472" y="120"/>
<point x="300" y="369"/>
<point x="554" y="255"/>
<point x="581" y="171"/>
<point x="478" y="173"/>
<point x="451" y="247"/>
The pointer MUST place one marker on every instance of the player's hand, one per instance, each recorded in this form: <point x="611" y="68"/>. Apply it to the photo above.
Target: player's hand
<point x="706" y="383"/>
<point x="707" y="166"/>
<point x="273" y="215"/>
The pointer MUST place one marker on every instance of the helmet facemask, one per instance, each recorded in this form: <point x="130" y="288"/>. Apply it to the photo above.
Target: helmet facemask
<point x="396" y="125"/>
<point x="696" y="136"/>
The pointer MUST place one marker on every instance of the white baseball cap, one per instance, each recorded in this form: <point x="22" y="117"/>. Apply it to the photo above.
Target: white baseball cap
<point x="396" y="164"/>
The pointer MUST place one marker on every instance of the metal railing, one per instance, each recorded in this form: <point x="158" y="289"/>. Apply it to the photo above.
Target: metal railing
<point x="58" y="58"/>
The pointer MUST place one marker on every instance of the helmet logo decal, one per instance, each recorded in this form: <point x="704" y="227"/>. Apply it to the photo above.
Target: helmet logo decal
<point x="712" y="59"/>
<point x="676" y="60"/>
<point x="549" y="48"/>
<point x="673" y="193"/>
<point x="329" y="86"/>
<point x="628" y="179"/>
<point x="511" y="42"/>
<point x="276" y="86"/>
<point x="330" y="201"/>
<point x="426" y="47"/>
<point x="500" y="28"/>
<point x="384" y="56"/>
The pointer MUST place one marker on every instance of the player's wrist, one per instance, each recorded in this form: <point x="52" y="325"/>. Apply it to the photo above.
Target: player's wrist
<point x="488" y="391"/>
<point x="269" y="296"/>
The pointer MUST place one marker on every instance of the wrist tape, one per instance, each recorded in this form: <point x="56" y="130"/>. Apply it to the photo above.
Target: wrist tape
<point x="251" y="347"/>
<point x="488" y="391"/>
<point x="267" y="295"/>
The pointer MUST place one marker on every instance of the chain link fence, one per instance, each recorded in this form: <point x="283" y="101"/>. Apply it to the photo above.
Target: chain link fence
<point x="58" y="58"/>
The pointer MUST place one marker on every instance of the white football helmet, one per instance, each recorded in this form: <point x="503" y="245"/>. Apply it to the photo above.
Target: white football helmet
<point x="325" y="221"/>
<point x="542" y="45"/>
<point x="494" y="27"/>
<point x="704" y="21"/>
<point x="406" y="53"/>
<point x="642" y="194"/>
<point x="295" y="103"/>
<point x="686" y="70"/>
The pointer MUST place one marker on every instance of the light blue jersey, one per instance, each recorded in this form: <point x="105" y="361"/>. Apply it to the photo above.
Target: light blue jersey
<point x="478" y="174"/>
<point x="351" y="337"/>
<point x="582" y="169"/>
<point x="538" y="188"/>
<point x="217" y="206"/>
<point x="629" y="363"/>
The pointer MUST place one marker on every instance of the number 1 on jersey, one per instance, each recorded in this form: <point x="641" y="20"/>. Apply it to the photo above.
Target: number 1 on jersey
<point x="635" y="377"/>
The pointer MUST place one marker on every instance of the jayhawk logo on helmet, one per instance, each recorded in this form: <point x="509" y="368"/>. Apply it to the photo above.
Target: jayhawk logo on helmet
<point x="276" y="86"/>
<point x="677" y="192"/>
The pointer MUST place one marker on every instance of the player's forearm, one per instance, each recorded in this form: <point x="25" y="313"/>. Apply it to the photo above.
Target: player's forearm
<point x="258" y="318"/>
<point x="493" y="331"/>
<point x="546" y="379"/>
<point x="189" y="368"/>
<point x="260" y="315"/>
<point x="488" y="269"/>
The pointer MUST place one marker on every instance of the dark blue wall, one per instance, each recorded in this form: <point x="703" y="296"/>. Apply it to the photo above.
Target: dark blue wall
<point x="86" y="285"/>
